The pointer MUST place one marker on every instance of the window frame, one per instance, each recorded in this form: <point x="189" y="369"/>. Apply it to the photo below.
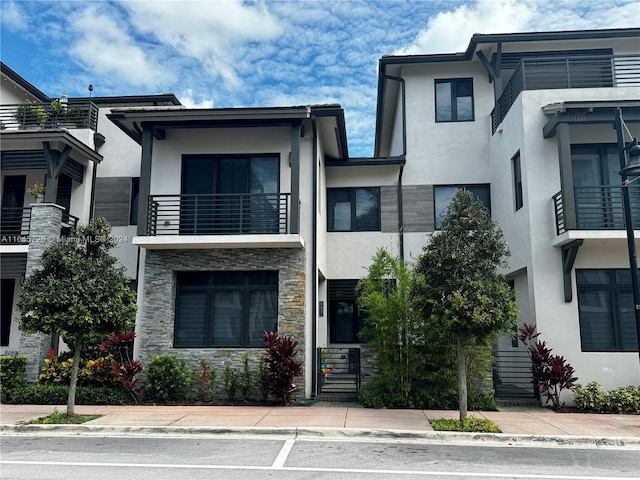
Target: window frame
<point x="454" y="83"/>
<point x="353" y="193"/>
<point x="518" y="193"/>
<point x="613" y="289"/>
<point x="436" y="222"/>
<point x="211" y="288"/>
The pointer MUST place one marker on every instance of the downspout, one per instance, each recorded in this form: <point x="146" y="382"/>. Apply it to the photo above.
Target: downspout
<point x="314" y="261"/>
<point x="404" y="154"/>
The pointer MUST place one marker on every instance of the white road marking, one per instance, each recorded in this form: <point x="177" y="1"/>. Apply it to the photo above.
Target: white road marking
<point x="314" y="469"/>
<point x="284" y="453"/>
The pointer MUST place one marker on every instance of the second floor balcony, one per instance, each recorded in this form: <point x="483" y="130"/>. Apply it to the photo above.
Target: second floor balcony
<point x="601" y="71"/>
<point x="15" y="226"/>
<point x="39" y="116"/>
<point x="595" y="208"/>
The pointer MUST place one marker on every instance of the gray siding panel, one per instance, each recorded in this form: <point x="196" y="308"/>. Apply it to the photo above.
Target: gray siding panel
<point x="389" y="208"/>
<point x="13" y="265"/>
<point x="112" y="198"/>
<point x="417" y="203"/>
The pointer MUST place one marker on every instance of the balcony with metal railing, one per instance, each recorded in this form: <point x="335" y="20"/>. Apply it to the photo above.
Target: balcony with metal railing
<point x="15" y="225"/>
<point x="596" y="208"/>
<point x="218" y="214"/>
<point x="602" y="71"/>
<point x="39" y="116"/>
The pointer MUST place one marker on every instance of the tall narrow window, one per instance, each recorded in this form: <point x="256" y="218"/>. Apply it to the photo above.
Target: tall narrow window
<point x="517" y="181"/>
<point x="454" y="100"/>
<point x="133" y="208"/>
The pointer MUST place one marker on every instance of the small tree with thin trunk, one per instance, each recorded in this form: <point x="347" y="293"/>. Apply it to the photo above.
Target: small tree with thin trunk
<point x="79" y="291"/>
<point x="462" y="291"/>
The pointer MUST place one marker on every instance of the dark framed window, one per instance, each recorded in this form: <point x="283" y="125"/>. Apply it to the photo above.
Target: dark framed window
<point x="443" y="194"/>
<point x="454" y="100"/>
<point x="517" y="181"/>
<point x="133" y="205"/>
<point x="225" y="309"/>
<point x="353" y="209"/>
<point x="605" y="307"/>
<point x="345" y="318"/>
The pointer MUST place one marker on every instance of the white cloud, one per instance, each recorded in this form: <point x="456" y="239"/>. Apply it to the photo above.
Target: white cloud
<point x="13" y="18"/>
<point x="188" y="99"/>
<point x="104" y="47"/>
<point x="214" y="33"/>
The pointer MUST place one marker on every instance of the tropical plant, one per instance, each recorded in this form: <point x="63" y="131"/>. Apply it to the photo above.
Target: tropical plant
<point x="551" y="373"/>
<point x="31" y="114"/>
<point x="230" y="381"/>
<point x="168" y="378"/>
<point x="283" y="367"/>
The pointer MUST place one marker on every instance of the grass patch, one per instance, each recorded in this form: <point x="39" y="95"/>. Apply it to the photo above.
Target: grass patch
<point x="59" y="418"/>
<point x="470" y="424"/>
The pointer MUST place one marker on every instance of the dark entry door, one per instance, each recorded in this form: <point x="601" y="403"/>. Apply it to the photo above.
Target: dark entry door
<point x="12" y="205"/>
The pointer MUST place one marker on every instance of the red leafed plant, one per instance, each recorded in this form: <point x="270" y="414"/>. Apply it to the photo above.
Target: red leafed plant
<point x="123" y="368"/>
<point x="551" y="373"/>
<point x="282" y="366"/>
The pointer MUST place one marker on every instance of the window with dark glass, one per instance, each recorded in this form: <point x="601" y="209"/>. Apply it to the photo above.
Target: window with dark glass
<point x="230" y="194"/>
<point x="225" y="309"/>
<point x="454" y="100"/>
<point x="353" y="209"/>
<point x="443" y="194"/>
<point x="133" y="205"/>
<point x="517" y="181"/>
<point x="605" y="306"/>
<point x="345" y="318"/>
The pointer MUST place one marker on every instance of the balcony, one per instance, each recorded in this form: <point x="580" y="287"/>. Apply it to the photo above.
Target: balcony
<point x="602" y="71"/>
<point x="596" y="208"/>
<point x="39" y="116"/>
<point x="15" y="225"/>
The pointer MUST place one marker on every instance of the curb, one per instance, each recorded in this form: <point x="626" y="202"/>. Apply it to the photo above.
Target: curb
<point x="353" y="434"/>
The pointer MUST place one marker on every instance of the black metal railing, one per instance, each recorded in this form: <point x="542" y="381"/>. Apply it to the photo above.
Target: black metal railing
<point x="338" y="375"/>
<point x="597" y="208"/>
<point x="68" y="225"/>
<point x="512" y="375"/>
<point x="218" y="214"/>
<point x="14" y="225"/>
<point x="36" y="116"/>
<point x="566" y="72"/>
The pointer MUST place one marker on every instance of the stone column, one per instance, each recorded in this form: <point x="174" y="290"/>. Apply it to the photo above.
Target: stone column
<point x="44" y="230"/>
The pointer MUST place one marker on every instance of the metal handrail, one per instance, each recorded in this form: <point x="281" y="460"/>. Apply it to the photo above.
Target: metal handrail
<point x="566" y="72"/>
<point x="218" y="214"/>
<point x="38" y="115"/>
<point x="15" y="224"/>
<point x="597" y="207"/>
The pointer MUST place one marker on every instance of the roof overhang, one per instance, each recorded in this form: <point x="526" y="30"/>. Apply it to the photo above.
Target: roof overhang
<point x="20" y="81"/>
<point x="585" y="113"/>
<point x="57" y="139"/>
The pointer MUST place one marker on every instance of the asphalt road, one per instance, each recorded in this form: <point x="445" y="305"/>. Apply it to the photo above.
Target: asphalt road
<point x="55" y="457"/>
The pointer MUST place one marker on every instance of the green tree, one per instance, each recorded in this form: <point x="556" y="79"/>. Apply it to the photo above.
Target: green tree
<point x="393" y="326"/>
<point x="462" y="290"/>
<point x="79" y="291"/>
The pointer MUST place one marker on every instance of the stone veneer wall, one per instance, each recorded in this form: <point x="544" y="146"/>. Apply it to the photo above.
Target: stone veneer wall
<point x="157" y="321"/>
<point x="44" y="230"/>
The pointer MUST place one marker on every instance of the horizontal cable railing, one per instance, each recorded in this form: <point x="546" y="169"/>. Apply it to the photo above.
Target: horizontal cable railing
<point x="36" y="116"/>
<point x="218" y="214"/>
<point x="14" y="225"/>
<point x="598" y="208"/>
<point x="566" y="72"/>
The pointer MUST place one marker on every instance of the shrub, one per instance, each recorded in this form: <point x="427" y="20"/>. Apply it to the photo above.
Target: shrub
<point x="57" y="395"/>
<point x="283" y="367"/>
<point x="31" y="114"/>
<point x="263" y="378"/>
<point x="230" y="381"/>
<point x="168" y="377"/>
<point x="619" y="400"/>
<point x="123" y="369"/>
<point x="551" y="373"/>
<point x="12" y="373"/>
<point x="59" y="418"/>
<point x="205" y="380"/>
<point x="245" y="382"/>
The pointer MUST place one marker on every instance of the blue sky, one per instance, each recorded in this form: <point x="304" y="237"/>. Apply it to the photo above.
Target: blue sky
<point x="263" y="53"/>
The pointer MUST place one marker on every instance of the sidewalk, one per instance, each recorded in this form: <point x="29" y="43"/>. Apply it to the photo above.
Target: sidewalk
<point x="515" y="422"/>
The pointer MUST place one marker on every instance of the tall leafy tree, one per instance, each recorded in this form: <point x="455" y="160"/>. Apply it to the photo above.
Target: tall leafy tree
<point x="79" y="291"/>
<point x="462" y="290"/>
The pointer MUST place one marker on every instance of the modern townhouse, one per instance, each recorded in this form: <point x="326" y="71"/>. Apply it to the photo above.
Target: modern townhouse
<point x="240" y="220"/>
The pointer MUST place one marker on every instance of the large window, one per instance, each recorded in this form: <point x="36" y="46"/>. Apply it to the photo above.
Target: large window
<point x="454" y="100"/>
<point x="225" y="309"/>
<point x="443" y="194"/>
<point x="353" y="209"/>
<point x="345" y="319"/>
<point x="605" y="305"/>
